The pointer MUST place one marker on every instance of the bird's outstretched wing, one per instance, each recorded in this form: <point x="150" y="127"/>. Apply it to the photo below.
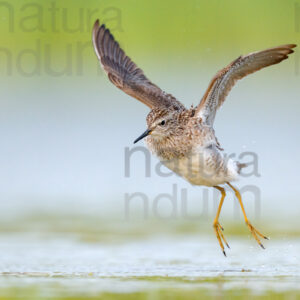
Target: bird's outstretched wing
<point x="125" y="74"/>
<point x="225" y="79"/>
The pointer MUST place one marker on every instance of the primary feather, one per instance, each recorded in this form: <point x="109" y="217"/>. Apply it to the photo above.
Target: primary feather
<point x="125" y="74"/>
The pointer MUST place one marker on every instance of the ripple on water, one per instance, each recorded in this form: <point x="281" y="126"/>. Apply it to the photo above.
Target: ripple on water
<point x="154" y="263"/>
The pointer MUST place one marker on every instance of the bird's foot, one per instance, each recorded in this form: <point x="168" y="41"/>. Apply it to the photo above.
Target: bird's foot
<point x="220" y="236"/>
<point x="256" y="234"/>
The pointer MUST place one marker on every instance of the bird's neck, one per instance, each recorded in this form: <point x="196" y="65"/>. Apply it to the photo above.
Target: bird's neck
<point x="167" y="148"/>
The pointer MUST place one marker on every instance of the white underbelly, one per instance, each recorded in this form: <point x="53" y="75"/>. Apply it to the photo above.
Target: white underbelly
<point x="205" y="167"/>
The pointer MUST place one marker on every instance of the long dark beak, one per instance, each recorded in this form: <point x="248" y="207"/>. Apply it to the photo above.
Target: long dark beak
<point x="146" y="133"/>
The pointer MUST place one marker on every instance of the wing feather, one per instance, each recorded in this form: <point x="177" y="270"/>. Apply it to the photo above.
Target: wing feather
<point x="225" y="79"/>
<point x="125" y="74"/>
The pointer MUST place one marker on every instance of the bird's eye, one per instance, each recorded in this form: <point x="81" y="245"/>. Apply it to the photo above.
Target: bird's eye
<point x="163" y="122"/>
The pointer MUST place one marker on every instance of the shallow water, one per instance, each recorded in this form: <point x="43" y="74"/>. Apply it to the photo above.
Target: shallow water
<point x="57" y="266"/>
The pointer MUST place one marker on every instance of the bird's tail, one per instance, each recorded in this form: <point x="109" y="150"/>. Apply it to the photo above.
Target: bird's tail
<point x="240" y="166"/>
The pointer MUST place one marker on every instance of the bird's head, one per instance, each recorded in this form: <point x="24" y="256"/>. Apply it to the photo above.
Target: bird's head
<point x="161" y="124"/>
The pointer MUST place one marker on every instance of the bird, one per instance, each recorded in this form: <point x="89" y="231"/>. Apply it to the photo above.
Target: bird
<point x="184" y="139"/>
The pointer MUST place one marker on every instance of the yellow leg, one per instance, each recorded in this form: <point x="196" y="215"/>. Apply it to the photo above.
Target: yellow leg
<point x="252" y="229"/>
<point x="217" y="226"/>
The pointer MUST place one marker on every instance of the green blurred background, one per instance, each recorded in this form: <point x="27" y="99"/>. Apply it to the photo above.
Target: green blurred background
<point x="64" y="127"/>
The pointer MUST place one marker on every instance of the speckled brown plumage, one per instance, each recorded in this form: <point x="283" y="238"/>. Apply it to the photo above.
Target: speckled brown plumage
<point x="184" y="139"/>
